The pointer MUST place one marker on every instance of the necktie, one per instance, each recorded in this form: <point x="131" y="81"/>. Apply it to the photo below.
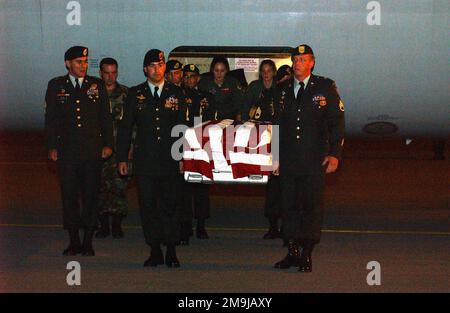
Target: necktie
<point x="300" y="90"/>
<point x="77" y="85"/>
<point x="155" y="94"/>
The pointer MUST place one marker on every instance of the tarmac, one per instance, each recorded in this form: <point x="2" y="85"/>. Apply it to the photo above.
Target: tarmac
<point x="389" y="202"/>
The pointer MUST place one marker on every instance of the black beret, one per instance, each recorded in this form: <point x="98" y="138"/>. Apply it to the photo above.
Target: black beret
<point x="173" y="65"/>
<point x="302" y="50"/>
<point x="76" y="52"/>
<point x="283" y="71"/>
<point x="153" y="55"/>
<point x="191" y="68"/>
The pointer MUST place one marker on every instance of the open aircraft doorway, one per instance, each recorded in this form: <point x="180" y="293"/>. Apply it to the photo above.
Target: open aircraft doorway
<point x="240" y="57"/>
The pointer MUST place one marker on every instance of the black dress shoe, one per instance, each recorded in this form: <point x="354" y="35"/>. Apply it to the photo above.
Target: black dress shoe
<point x="305" y="262"/>
<point x="88" y="251"/>
<point x="154" y="261"/>
<point x="305" y="265"/>
<point x="72" y="250"/>
<point x="87" y="248"/>
<point x="74" y="247"/>
<point x="156" y="258"/>
<point x="272" y="234"/>
<point x="202" y="234"/>
<point x="287" y="262"/>
<point x="291" y="259"/>
<point x="171" y="259"/>
<point x="200" y="230"/>
<point x="116" y="227"/>
<point x="104" y="230"/>
<point x="184" y="242"/>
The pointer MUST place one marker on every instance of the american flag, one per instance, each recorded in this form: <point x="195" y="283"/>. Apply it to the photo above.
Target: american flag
<point x="244" y="148"/>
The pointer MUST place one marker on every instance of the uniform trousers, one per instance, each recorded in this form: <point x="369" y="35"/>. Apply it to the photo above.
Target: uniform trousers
<point x="80" y="180"/>
<point x="303" y="209"/>
<point x="272" y="206"/>
<point x="157" y="206"/>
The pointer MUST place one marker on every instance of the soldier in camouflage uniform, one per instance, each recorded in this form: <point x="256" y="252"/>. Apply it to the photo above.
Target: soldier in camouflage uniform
<point x="112" y="200"/>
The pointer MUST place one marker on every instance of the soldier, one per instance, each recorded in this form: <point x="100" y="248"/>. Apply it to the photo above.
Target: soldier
<point x="174" y="72"/>
<point x="155" y="106"/>
<point x="311" y="139"/>
<point x="112" y="198"/>
<point x="226" y="91"/>
<point x="200" y="107"/>
<point x="259" y="99"/>
<point x="284" y="73"/>
<point x="79" y="133"/>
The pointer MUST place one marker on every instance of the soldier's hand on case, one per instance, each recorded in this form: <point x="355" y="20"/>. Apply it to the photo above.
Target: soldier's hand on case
<point x="181" y="167"/>
<point x="332" y="164"/>
<point x="123" y="168"/>
<point x="276" y="171"/>
<point x="106" y="152"/>
<point x="53" y="154"/>
<point x="130" y="153"/>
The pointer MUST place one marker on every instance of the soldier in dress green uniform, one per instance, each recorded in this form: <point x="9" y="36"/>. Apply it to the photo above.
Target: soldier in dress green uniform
<point x="195" y="200"/>
<point x="79" y="133"/>
<point x="311" y="139"/>
<point x="174" y="72"/>
<point x="155" y="107"/>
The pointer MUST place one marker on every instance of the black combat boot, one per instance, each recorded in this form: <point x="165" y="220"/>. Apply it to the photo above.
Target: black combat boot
<point x="292" y="258"/>
<point x="116" y="226"/>
<point x="156" y="256"/>
<point x="273" y="232"/>
<point x="88" y="250"/>
<point x="171" y="256"/>
<point x="103" y="231"/>
<point x="75" y="245"/>
<point x="201" y="231"/>
<point x="186" y="232"/>
<point x="305" y="262"/>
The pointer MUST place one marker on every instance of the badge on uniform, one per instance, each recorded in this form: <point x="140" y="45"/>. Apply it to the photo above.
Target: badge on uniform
<point x="140" y="101"/>
<point x="62" y="95"/>
<point x="319" y="100"/>
<point x="188" y="101"/>
<point x="92" y="91"/>
<point x="204" y="103"/>
<point x="141" y="98"/>
<point x="171" y="103"/>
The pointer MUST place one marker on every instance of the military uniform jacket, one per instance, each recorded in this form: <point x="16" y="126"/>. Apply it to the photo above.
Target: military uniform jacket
<point x="78" y="124"/>
<point x="117" y="101"/>
<point x="259" y="102"/>
<point x="228" y="97"/>
<point x="310" y="128"/>
<point x="199" y="104"/>
<point x="154" y="120"/>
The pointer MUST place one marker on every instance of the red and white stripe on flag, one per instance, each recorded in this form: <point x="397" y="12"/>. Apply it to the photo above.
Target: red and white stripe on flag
<point x="220" y="145"/>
